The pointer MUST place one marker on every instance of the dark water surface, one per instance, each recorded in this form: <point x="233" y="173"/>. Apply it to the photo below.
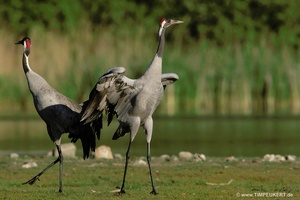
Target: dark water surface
<point x="208" y="135"/>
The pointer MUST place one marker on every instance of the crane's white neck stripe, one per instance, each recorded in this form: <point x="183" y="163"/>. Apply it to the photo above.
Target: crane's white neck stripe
<point x="27" y="62"/>
<point x="163" y="23"/>
<point x="161" y="27"/>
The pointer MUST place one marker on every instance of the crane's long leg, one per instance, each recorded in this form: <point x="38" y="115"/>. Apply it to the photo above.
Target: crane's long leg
<point x="60" y="167"/>
<point x="122" y="191"/>
<point x="59" y="159"/>
<point x="148" y="126"/>
<point x="150" y="170"/>
<point x="134" y="127"/>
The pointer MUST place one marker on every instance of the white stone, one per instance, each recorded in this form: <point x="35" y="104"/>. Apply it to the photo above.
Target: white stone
<point x="274" y="158"/>
<point x="118" y="156"/>
<point x="103" y="152"/>
<point x="50" y="153"/>
<point x="165" y="157"/>
<point x="174" y="158"/>
<point x="279" y="158"/>
<point x="30" y="164"/>
<point x="140" y="162"/>
<point x="14" y="155"/>
<point x="290" y="157"/>
<point x="269" y="157"/>
<point x="199" y="157"/>
<point x="185" y="155"/>
<point x="67" y="149"/>
<point x="231" y="159"/>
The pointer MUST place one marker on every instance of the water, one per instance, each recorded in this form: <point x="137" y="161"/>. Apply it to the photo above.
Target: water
<point x="247" y="137"/>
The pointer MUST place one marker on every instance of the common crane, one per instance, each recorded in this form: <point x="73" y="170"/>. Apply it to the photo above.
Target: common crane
<point x="133" y="101"/>
<point x="61" y="115"/>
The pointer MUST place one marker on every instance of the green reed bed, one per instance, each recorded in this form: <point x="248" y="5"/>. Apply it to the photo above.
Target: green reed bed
<point x="239" y="78"/>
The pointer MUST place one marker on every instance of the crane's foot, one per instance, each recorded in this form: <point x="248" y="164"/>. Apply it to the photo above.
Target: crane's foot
<point x="122" y="191"/>
<point x="32" y="181"/>
<point x="119" y="191"/>
<point x="153" y="192"/>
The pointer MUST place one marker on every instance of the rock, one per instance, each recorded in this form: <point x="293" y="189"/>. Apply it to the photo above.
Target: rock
<point x="50" y="153"/>
<point x="165" y="157"/>
<point x="269" y="157"/>
<point x="67" y="149"/>
<point x="140" y="162"/>
<point x="279" y="158"/>
<point x="14" y="155"/>
<point x="185" y="155"/>
<point x="290" y="158"/>
<point x="274" y="158"/>
<point x="199" y="157"/>
<point x="174" y="158"/>
<point x="231" y="159"/>
<point x="103" y="152"/>
<point x="30" y="164"/>
<point x="118" y="156"/>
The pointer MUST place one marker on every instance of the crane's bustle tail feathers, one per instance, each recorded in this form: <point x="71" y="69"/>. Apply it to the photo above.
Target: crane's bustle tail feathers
<point x="87" y="133"/>
<point x="121" y="131"/>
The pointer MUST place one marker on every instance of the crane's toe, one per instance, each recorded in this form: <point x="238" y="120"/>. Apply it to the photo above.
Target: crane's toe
<point x="32" y="181"/>
<point x="120" y="192"/>
<point x="154" y="192"/>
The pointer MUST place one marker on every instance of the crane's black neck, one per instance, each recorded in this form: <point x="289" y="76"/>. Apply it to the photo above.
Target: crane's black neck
<point x="161" y="43"/>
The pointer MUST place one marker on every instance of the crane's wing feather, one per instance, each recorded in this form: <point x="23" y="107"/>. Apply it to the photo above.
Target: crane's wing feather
<point x="112" y="93"/>
<point x="168" y="78"/>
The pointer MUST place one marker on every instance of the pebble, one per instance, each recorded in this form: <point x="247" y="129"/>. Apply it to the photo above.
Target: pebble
<point x="174" y="158"/>
<point x="165" y="157"/>
<point x="140" y="162"/>
<point x="104" y="152"/>
<point x="278" y="158"/>
<point x="14" y="155"/>
<point x="29" y="165"/>
<point x="273" y="158"/>
<point x="185" y="155"/>
<point x="290" y="157"/>
<point x="118" y="156"/>
<point x="199" y="157"/>
<point x="67" y="149"/>
<point x="231" y="159"/>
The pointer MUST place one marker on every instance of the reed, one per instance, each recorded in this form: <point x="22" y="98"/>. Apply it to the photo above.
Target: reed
<point x="257" y="77"/>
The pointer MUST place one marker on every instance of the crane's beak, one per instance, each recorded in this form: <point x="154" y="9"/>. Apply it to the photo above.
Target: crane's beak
<point x="20" y="42"/>
<point x="176" y="22"/>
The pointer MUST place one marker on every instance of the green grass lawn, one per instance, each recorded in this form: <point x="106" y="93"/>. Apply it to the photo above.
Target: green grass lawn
<point x="97" y="179"/>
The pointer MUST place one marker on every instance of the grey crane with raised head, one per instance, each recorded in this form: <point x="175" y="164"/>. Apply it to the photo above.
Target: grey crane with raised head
<point x="132" y="101"/>
<point x="60" y="114"/>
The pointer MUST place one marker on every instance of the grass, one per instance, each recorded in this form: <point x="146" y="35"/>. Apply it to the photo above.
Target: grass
<point x="174" y="180"/>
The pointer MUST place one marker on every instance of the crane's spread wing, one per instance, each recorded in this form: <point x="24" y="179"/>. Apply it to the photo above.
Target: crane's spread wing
<point x="112" y="93"/>
<point x="168" y="78"/>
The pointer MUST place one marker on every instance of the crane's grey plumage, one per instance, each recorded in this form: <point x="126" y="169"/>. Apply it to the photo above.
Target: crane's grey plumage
<point x="60" y="114"/>
<point x="168" y="78"/>
<point x="132" y="101"/>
